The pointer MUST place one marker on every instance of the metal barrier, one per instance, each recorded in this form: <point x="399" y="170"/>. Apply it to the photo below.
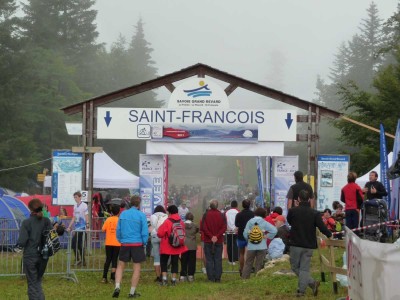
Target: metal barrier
<point x="71" y="258"/>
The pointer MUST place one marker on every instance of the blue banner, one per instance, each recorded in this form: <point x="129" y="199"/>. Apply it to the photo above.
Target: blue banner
<point x="260" y="198"/>
<point x="394" y="207"/>
<point x="384" y="164"/>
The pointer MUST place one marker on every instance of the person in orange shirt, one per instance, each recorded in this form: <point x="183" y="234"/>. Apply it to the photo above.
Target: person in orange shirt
<point x="112" y="244"/>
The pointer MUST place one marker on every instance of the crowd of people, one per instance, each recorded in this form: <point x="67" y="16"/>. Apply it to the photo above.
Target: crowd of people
<point x="252" y="235"/>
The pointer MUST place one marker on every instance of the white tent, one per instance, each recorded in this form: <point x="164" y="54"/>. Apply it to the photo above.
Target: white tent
<point x="108" y="174"/>
<point x="361" y="181"/>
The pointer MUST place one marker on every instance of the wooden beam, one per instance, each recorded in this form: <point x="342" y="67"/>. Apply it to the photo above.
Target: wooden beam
<point x="230" y="88"/>
<point x="170" y="87"/>
<point x="365" y="126"/>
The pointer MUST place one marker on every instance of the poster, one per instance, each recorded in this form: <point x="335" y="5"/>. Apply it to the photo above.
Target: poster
<point x="283" y="170"/>
<point x="151" y="182"/>
<point x="332" y="176"/>
<point x="66" y="176"/>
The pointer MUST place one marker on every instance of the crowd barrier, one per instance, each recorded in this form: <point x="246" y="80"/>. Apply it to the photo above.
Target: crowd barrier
<point x="328" y="262"/>
<point x="65" y="263"/>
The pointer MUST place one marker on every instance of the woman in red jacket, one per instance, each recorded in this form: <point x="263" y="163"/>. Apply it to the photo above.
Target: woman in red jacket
<point x="166" y="249"/>
<point x="352" y="196"/>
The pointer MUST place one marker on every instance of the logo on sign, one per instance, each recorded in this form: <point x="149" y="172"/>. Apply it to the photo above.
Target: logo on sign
<point x="143" y="131"/>
<point x="203" y="90"/>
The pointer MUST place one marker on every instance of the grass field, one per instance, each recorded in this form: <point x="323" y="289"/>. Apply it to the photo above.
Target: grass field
<point x="265" y="286"/>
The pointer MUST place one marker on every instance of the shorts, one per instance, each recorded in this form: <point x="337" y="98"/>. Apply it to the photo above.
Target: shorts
<point x="241" y="243"/>
<point x="155" y="252"/>
<point x="132" y="253"/>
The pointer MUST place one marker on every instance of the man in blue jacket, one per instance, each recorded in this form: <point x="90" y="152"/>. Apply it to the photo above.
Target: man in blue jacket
<point x="303" y="240"/>
<point x="132" y="233"/>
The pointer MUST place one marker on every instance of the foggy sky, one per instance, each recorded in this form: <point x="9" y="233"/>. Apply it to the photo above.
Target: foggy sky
<point x="283" y="44"/>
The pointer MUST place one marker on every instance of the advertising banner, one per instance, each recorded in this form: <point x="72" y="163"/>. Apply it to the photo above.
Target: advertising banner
<point x="283" y="170"/>
<point x="372" y="269"/>
<point x="395" y="194"/>
<point x="151" y="182"/>
<point x="260" y="176"/>
<point x="66" y="176"/>
<point x="384" y="165"/>
<point x="332" y="177"/>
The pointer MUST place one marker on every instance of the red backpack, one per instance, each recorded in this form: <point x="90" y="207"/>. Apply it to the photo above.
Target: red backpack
<point x="177" y="237"/>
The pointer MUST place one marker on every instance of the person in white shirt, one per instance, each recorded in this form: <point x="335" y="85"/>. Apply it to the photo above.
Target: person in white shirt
<point x="80" y="220"/>
<point x="231" y="233"/>
<point x="182" y="211"/>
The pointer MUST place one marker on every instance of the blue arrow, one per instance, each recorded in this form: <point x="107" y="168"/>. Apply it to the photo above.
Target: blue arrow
<point x="289" y="120"/>
<point x="108" y="118"/>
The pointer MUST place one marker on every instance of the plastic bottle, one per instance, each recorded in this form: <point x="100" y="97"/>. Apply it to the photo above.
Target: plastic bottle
<point x="344" y="260"/>
<point x="45" y="252"/>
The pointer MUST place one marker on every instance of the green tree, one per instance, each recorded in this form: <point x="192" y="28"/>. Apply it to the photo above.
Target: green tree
<point x="371" y="109"/>
<point x="68" y="28"/>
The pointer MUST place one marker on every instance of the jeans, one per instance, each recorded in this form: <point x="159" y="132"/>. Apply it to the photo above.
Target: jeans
<point x="213" y="253"/>
<point x="300" y="260"/>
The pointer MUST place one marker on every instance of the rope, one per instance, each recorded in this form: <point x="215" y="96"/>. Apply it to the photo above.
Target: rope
<point x="368" y="226"/>
<point x="35" y="163"/>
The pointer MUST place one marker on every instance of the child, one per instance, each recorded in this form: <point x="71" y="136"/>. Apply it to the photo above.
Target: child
<point x="283" y="232"/>
<point x="339" y="216"/>
<point x="328" y="220"/>
<point x="112" y="244"/>
<point x="188" y="258"/>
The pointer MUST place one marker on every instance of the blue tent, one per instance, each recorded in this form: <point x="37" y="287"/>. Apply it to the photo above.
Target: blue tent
<point x="12" y="212"/>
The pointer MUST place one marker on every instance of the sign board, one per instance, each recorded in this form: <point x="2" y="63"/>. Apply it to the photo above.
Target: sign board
<point x="151" y="182"/>
<point x="66" y="176"/>
<point x="85" y="196"/>
<point x="283" y="170"/>
<point x="138" y="123"/>
<point x="332" y="177"/>
<point x="198" y="93"/>
<point x="40" y="177"/>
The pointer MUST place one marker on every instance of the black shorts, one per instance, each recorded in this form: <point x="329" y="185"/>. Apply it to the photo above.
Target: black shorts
<point x="132" y="253"/>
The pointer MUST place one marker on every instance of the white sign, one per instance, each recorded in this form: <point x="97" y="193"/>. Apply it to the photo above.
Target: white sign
<point x="372" y="269"/>
<point x="198" y="93"/>
<point x="332" y="177"/>
<point x="85" y="196"/>
<point x="137" y="123"/>
<point x="66" y="176"/>
<point x="283" y="170"/>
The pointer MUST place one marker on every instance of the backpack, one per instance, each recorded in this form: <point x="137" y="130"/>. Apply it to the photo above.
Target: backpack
<point x="255" y="235"/>
<point x="50" y="239"/>
<point x="177" y="237"/>
<point x="338" y="226"/>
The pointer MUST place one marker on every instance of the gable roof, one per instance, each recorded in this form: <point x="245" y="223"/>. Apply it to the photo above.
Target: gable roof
<point x="201" y="70"/>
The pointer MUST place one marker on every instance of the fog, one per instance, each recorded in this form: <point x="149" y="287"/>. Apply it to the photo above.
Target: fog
<point x="283" y="44"/>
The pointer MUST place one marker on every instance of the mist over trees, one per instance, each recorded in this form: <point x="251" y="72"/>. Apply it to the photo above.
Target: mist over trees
<point x="362" y="85"/>
<point x="50" y="58"/>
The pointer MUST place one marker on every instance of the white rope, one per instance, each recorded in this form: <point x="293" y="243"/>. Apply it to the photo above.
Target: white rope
<point x="35" y="163"/>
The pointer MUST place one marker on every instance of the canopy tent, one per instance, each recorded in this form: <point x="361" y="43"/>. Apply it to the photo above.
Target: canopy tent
<point x="108" y="174"/>
<point x="12" y="212"/>
<point x="361" y="181"/>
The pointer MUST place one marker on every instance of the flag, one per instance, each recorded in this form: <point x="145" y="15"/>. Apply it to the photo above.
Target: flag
<point x="384" y="165"/>
<point x="395" y="194"/>
<point x="260" y="198"/>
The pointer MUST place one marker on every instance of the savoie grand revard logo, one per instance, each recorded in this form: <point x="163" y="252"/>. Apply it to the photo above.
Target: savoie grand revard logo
<point x="203" y="90"/>
<point x="198" y="93"/>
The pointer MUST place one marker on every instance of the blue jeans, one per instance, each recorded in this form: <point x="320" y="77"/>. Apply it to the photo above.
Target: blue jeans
<point x="213" y="253"/>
